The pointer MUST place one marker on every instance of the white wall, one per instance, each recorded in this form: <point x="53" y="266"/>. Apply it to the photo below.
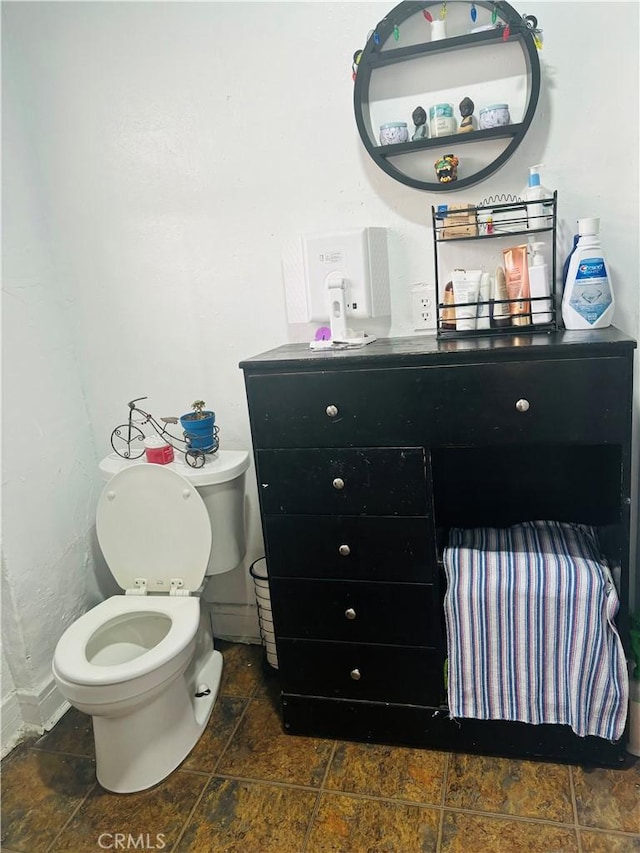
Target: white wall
<point x="48" y="452"/>
<point x="157" y="158"/>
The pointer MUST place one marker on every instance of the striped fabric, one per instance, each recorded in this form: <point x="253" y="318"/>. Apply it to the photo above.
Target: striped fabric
<point x="530" y="628"/>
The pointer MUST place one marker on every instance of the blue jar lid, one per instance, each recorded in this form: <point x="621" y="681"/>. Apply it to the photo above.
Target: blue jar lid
<point x="393" y="124"/>
<point x="495" y="107"/>
<point x="441" y="110"/>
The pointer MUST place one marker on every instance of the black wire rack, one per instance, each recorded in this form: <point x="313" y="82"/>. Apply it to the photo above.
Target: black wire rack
<point x="501" y="218"/>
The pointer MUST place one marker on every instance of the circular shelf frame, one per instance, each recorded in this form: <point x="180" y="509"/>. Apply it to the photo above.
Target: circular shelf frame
<point x="373" y="56"/>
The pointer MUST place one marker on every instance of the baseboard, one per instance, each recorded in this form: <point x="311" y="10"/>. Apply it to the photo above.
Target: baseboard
<point x="43" y="709"/>
<point x="26" y="713"/>
<point x="12" y="725"/>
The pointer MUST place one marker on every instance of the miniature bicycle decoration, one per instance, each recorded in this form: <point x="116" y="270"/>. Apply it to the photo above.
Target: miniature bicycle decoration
<point x="128" y="439"/>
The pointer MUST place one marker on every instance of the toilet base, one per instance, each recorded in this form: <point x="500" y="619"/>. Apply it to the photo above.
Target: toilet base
<point x="138" y="750"/>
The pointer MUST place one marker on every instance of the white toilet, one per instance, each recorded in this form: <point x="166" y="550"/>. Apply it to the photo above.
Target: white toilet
<point x="143" y="663"/>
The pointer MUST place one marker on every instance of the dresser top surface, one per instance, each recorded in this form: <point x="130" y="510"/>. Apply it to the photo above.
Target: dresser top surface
<point x="429" y="350"/>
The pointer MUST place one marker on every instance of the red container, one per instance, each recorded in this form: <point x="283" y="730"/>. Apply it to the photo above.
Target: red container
<point x="158" y="451"/>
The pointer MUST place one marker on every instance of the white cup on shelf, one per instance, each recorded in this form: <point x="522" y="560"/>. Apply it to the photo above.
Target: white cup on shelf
<point x="438" y="30"/>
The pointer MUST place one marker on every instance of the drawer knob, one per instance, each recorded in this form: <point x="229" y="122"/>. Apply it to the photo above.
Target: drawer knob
<point x="332" y="411"/>
<point x="522" y="405"/>
<point x="355" y="675"/>
<point x="344" y="550"/>
<point x="338" y="483"/>
<point x="350" y="613"/>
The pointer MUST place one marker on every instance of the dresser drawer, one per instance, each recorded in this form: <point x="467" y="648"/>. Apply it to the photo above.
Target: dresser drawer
<point x="354" y="611"/>
<point x="573" y="400"/>
<point x="346" y="408"/>
<point x="366" y="481"/>
<point x="358" y="671"/>
<point x="400" y="549"/>
<point x="567" y="400"/>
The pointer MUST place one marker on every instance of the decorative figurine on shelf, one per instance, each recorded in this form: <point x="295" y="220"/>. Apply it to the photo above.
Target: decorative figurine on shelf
<point x="447" y="168"/>
<point x="468" y="123"/>
<point x="419" y="118"/>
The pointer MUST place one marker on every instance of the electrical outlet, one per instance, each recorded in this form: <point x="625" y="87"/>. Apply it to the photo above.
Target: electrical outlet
<point x="423" y="307"/>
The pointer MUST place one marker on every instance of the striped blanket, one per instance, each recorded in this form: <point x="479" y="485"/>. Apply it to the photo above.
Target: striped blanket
<point x="530" y="628"/>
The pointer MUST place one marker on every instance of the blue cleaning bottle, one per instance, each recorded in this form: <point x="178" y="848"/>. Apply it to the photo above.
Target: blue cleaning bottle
<point x="565" y="268"/>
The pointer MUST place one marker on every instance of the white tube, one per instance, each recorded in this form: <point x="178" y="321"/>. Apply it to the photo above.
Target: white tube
<point x="483" y="303"/>
<point x="466" y="288"/>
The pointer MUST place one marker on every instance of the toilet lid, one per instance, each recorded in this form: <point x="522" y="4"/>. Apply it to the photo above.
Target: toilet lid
<point x="151" y="523"/>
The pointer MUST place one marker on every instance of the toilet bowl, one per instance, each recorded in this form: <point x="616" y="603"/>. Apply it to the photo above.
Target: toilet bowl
<point x="143" y="664"/>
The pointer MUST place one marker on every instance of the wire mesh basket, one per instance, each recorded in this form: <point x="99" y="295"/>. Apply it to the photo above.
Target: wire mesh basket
<point x="259" y="573"/>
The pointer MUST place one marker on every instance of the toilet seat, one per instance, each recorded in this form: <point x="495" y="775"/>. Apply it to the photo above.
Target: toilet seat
<point x="154" y="530"/>
<point x="70" y="658"/>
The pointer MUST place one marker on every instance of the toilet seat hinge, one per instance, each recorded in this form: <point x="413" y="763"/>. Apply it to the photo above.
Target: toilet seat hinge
<point x="177" y="587"/>
<point x="140" y="587"/>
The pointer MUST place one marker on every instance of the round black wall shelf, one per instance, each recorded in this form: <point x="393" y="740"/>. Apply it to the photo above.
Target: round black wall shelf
<point x="407" y="162"/>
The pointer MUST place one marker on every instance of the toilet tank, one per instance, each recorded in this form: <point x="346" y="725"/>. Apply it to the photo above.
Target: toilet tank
<point x="221" y="485"/>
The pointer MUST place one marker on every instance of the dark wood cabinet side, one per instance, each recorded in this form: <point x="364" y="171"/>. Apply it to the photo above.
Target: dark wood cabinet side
<point x="366" y="459"/>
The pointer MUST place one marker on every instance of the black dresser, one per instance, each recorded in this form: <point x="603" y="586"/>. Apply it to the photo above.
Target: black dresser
<point x="365" y="458"/>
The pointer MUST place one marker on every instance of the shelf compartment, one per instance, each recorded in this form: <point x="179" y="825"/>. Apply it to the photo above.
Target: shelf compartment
<point x="477" y="218"/>
<point x="527" y="329"/>
<point x="382" y="58"/>
<point x="506" y="132"/>
<point x="523" y="233"/>
<point x="483" y="486"/>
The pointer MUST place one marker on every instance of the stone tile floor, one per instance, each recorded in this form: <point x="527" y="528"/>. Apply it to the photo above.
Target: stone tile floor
<point x="249" y="788"/>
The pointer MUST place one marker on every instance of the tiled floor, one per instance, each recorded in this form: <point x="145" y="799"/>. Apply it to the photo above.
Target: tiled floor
<point x="247" y="787"/>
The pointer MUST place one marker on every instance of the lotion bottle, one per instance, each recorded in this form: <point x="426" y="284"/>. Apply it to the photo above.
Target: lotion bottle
<point x="539" y="285"/>
<point x="448" y="311"/>
<point x="532" y="193"/>
<point x="500" y="313"/>
<point x="484" y="319"/>
<point x="588" y="301"/>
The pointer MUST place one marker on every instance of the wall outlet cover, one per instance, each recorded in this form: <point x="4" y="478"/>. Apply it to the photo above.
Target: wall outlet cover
<point x="423" y="307"/>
